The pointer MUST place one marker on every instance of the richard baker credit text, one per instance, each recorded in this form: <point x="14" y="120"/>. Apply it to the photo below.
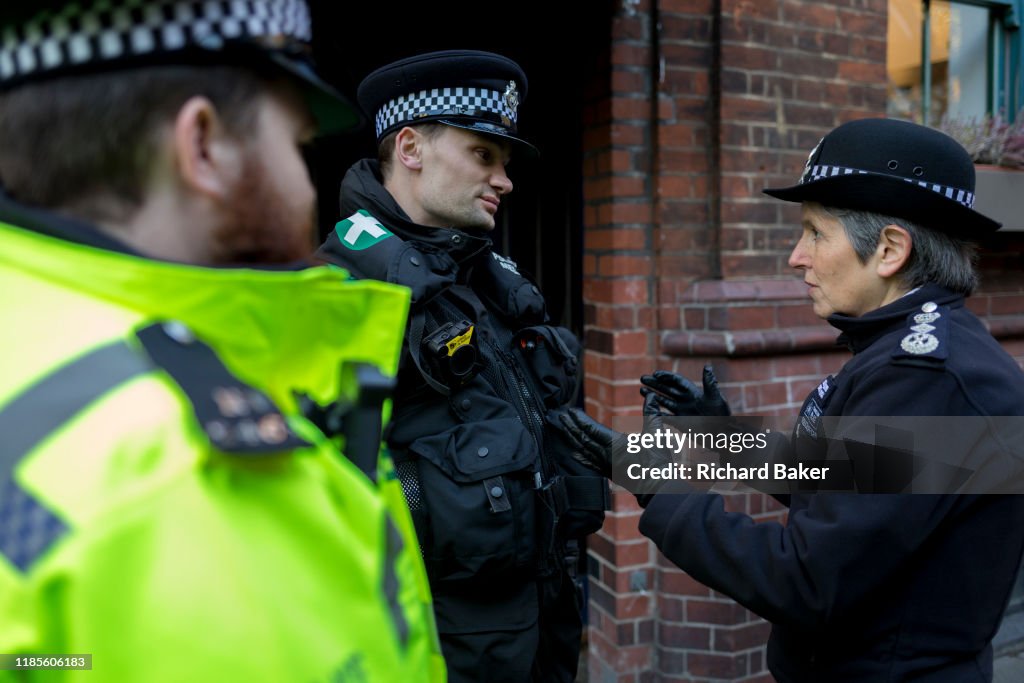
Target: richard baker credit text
<point x="711" y="472"/>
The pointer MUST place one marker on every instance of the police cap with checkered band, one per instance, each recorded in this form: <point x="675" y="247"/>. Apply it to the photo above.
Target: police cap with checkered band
<point x="894" y="168"/>
<point x="470" y="89"/>
<point x="43" y="39"/>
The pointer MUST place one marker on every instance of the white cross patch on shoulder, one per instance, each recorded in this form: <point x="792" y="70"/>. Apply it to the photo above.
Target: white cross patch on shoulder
<point x="361" y="231"/>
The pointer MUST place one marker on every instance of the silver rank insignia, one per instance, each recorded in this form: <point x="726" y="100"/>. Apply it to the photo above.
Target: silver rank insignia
<point x="512" y="97"/>
<point x="920" y="341"/>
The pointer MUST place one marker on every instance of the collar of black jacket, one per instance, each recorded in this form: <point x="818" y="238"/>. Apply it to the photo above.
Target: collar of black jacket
<point x="861" y="332"/>
<point x="362" y="188"/>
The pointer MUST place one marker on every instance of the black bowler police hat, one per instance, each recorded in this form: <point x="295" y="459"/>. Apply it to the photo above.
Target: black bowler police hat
<point x="894" y="168"/>
<point x="478" y="91"/>
<point x="47" y="38"/>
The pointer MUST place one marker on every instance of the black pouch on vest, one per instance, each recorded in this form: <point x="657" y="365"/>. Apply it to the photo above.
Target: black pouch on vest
<point x="551" y="355"/>
<point x="497" y="279"/>
<point x="477" y="482"/>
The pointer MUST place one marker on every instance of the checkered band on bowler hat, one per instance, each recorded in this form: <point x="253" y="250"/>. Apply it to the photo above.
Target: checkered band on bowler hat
<point x="56" y="38"/>
<point x="895" y="168"/>
<point x="470" y="89"/>
<point x="476" y="102"/>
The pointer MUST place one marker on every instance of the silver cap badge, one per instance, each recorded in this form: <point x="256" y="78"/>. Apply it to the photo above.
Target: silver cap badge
<point x="512" y="97"/>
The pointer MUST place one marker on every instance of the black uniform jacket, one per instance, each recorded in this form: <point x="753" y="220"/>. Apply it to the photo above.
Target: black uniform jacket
<point x="496" y="497"/>
<point x="874" y="587"/>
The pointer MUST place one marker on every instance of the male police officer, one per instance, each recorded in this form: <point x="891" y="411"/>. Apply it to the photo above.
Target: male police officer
<point x="863" y="587"/>
<point x="492" y="489"/>
<point x="164" y="507"/>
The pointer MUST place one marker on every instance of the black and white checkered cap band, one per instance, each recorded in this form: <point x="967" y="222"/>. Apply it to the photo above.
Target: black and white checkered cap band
<point x="956" y="194"/>
<point x="451" y="101"/>
<point x="114" y="30"/>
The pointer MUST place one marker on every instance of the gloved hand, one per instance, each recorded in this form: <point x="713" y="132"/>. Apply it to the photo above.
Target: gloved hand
<point x="681" y="397"/>
<point x="594" y="444"/>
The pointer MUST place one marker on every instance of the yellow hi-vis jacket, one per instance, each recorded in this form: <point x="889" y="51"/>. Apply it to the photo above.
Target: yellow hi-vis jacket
<point x="164" y="506"/>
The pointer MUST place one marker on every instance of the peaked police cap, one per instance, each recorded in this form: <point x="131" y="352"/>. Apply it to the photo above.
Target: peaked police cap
<point x="470" y="89"/>
<point x="894" y="168"/>
<point x="49" y="38"/>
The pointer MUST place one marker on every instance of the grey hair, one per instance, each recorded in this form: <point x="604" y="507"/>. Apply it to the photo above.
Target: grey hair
<point x="935" y="257"/>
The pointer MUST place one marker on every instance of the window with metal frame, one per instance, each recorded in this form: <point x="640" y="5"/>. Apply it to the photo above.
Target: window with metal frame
<point x="953" y="59"/>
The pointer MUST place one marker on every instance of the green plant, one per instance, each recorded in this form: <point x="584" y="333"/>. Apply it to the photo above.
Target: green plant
<point x="990" y="139"/>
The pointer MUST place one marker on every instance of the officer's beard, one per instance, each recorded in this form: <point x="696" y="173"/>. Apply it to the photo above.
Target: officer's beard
<point x="262" y="227"/>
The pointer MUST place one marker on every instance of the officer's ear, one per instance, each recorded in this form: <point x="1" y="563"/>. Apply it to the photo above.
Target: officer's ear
<point x="893" y="251"/>
<point x="409" y="144"/>
<point x="208" y="160"/>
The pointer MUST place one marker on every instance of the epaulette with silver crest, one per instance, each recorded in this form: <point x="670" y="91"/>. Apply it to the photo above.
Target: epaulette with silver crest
<point x="927" y="335"/>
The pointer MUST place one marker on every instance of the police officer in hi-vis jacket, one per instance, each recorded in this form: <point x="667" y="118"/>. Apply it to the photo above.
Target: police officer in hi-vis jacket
<point x="169" y="508"/>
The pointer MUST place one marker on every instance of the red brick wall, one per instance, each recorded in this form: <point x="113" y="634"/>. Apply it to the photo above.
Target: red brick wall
<point x="620" y="330"/>
<point x="702" y="104"/>
<point x="791" y="71"/>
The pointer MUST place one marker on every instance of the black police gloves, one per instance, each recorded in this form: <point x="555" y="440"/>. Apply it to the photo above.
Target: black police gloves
<point x="596" y="446"/>
<point x="592" y="443"/>
<point x="681" y="397"/>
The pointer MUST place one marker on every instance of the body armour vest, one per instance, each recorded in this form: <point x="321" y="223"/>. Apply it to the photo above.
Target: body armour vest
<point x="483" y="470"/>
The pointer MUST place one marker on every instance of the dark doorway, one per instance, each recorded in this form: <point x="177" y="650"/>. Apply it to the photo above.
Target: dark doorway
<point x="540" y="225"/>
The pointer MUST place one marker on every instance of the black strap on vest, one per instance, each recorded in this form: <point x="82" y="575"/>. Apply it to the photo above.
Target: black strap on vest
<point x="362" y="426"/>
<point x="578" y="493"/>
<point x="361" y="423"/>
<point x="588" y="493"/>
